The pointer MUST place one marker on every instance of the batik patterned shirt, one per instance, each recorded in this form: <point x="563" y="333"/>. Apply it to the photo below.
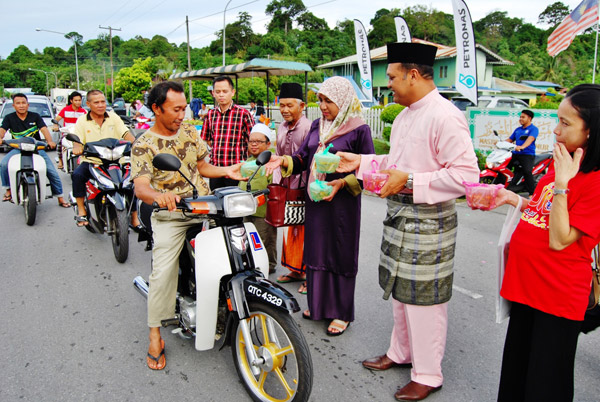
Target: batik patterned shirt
<point x="186" y="145"/>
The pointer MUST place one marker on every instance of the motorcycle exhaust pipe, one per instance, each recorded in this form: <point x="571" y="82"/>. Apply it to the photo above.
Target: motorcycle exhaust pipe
<point x="141" y="286"/>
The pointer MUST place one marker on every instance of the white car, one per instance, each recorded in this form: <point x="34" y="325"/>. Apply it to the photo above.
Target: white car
<point x="38" y="104"/>
<point x="491" y="102"/>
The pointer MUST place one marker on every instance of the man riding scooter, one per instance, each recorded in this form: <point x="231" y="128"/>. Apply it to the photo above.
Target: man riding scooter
<point x="94" y="126"/>
<point x="23" y="123"/>
<point x="169" y="135"/>
<point x="523" y="155"/>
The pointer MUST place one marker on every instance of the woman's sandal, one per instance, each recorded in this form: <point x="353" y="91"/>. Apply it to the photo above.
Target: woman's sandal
<point x="288" y="278"/>
<point x="340" y="327"/>
<point x="302" y="289"/>
<point x="82" y="220"/>
<point x="7" y="197"/>
<point x="306" y="315"/>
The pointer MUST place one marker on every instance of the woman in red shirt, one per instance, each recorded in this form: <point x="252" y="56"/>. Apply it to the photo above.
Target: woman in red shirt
<point x="548" y="273"/>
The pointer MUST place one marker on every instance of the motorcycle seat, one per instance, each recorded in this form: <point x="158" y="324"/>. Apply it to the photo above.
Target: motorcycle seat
<point x="540" y="157"/>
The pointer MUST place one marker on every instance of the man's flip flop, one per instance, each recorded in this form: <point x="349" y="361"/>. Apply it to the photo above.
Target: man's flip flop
<point x="289" y="279"/>
<point x="82" y="220"/>
<point x="157" y="358"/>
<point x="7" y="197"/>
<point x="64" y="204"/>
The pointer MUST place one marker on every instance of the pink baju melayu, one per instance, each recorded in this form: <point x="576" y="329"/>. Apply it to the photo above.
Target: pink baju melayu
<point x="431" y="140"/>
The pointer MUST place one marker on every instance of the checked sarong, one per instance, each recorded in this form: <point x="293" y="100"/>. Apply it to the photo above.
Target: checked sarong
<point x="417" y="251"/>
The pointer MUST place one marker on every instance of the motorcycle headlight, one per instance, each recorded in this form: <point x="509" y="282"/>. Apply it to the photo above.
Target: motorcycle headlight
<point x="111" y="154"/>
<point x="492" y="165"/>
<point x="28" y="147"/>
<point x="239" y="205"/>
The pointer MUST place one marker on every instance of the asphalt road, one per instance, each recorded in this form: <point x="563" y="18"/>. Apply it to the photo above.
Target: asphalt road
<point x="74" y="329"/>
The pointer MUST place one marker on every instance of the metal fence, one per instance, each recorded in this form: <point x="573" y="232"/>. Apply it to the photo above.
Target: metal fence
<point x="371" y="116"/>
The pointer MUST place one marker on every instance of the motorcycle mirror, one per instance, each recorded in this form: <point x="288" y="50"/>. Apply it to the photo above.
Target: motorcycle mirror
<point x="73" y="138"/>
<point x="166" y="162"/>
<point x="496" y="133"/>
<point x="263" y="158"/>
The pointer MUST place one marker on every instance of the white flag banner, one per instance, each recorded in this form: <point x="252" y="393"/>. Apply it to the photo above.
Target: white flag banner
<point x="363" y="56"/>
<point x="466" y="66"/>
<point x="402" y="31"/>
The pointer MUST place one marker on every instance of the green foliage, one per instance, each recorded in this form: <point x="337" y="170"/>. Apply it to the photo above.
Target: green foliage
<point x="390" y="112"/>
<point x="387" y="132"/>
<point x="312" y="104"/>
<point x="130" y="81"/>
<point x="481" y="155"/>
<point x="548" y="102"/>
<point x="381" y="147"/>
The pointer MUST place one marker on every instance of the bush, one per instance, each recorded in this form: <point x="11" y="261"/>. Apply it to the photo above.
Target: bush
<point x="387" y="131"/>
<point x="390" y="112"/>
<point x="312" y="104"/>
<point x="548" y="102"/>
<point x="481" y="158"/>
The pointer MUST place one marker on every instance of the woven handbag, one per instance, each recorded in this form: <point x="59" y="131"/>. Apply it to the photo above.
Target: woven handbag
<point x="595" y="291"/>
<point x="285" y="206"/>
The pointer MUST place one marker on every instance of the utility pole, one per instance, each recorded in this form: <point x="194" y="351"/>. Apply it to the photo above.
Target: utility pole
<point x="104" y="75"/>
<point x="112" y="77"/>
<point x="187" y="28"/>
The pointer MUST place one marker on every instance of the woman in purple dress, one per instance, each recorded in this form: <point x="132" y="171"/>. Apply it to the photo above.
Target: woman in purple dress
<point x="332" y="226"/>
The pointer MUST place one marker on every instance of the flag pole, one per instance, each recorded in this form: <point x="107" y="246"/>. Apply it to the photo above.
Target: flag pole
<point x="596" y="49"/>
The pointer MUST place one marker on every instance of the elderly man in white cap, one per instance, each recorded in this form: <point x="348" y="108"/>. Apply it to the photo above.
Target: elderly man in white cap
<point x="259" y="141"/>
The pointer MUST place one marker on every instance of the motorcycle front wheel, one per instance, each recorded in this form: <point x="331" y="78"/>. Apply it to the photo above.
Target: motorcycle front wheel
<point x="120" y="233"/>
<point x="29" y="202"/>
<point x="285" y="372"/>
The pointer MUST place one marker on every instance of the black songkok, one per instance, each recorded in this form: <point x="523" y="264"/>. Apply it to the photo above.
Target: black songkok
<point x="413" y="53"/>
<point x="291" y="90"/>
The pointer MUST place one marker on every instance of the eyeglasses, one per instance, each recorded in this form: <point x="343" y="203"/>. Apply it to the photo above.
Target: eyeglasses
<point x="255" y="142"/>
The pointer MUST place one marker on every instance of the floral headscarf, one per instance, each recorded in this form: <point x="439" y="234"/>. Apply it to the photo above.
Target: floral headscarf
<point x="341" y="92"/>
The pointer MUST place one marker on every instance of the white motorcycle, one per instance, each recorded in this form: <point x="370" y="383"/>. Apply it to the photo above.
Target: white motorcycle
<point x="27" y="173"/>
<point x="69" y="159"/>
<point x="224" y="298"/>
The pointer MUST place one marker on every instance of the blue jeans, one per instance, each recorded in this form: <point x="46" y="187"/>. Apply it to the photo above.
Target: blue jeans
<point x="51" y="172"/>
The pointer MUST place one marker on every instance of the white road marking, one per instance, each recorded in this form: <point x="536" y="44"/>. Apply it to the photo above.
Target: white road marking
<point x="472" y="295"/>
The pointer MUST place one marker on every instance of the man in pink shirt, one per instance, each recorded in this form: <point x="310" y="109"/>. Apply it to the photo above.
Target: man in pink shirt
<point x="433" y="154"/>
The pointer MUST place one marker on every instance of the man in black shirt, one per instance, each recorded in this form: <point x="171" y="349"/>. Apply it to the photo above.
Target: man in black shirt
<point x="23" y="123"/>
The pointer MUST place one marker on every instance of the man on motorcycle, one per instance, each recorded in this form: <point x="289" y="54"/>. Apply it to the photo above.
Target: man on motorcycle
<point x="94" y="126"/>
<point x="70" y="114"/>
<point x="524" y="154"/>
<point x="23" y="123"/>
<point x="169" y="135"/>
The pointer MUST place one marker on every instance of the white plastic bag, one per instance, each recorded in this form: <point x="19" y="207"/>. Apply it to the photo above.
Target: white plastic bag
<point x="510" y="223"/>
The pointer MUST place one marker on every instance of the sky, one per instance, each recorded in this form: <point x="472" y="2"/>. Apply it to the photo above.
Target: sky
<point x="160" y="17"/>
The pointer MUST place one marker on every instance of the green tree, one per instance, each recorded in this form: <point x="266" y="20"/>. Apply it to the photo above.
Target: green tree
<point x="554" y="14"/>
<point x="384" y="27"/>
<point x="284" y="12"/>
<point x="130" y="81"/>
<point x="239" y="36"/>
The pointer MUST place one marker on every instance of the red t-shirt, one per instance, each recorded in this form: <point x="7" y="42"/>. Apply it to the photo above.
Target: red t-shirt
<point x="71" y="115"/>
<point x="555" y="282"/>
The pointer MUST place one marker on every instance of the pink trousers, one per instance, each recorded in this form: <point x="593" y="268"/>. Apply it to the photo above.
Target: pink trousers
<point x="419" y="337"/>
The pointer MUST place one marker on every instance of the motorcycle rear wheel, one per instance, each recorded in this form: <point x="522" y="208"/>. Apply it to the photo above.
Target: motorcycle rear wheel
<point x="29" y="202"/>
<point x="286" y="373"/>
<point x="120" y="235"/>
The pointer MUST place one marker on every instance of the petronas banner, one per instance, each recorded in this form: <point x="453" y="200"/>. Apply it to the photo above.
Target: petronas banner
<point x="402" y="31"/>
<point x="363" y="56"/>
<point x="466" y="66"/>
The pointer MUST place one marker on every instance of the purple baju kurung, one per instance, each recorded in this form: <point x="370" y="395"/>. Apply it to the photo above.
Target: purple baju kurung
<point x="332" y="232"/>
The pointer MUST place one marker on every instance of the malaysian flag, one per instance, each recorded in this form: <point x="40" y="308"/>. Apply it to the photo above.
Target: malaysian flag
<point x="584" y="16"/>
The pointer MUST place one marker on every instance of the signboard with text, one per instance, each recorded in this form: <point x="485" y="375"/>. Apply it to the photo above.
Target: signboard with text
<point x="483" y="123"/>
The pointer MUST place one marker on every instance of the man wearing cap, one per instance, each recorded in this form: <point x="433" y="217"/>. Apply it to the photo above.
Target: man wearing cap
<point x="431" y="148"/>
<point x="290" y="136"/>
<point x="260" y="141"/>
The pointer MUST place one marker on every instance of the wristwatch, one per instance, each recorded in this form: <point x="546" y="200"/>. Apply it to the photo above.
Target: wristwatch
<point x="557" y="191"/>
<point x="409" y="182"/>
